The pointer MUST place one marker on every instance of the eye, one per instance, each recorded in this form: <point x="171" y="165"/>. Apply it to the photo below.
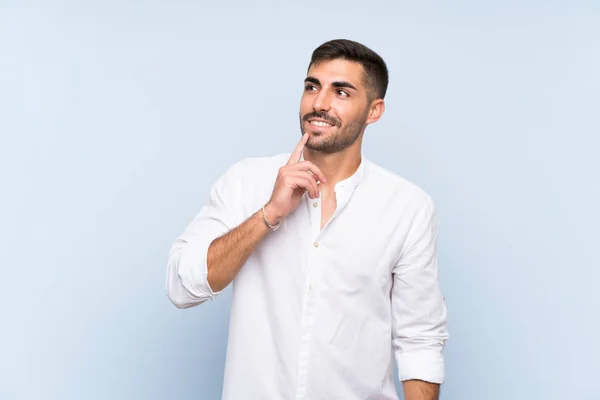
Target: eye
<point x="310" y="88"/>
<point x="342" y="93"/>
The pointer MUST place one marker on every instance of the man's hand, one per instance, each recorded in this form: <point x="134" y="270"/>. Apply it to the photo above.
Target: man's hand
<point x="293" y="180"/>
<point x="420" y="390"/>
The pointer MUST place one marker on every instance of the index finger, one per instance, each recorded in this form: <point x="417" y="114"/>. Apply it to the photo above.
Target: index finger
<point x="297" y="153"/>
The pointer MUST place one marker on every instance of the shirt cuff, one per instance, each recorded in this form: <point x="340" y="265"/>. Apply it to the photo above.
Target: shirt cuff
<point x="427" y="366"/>
<point x="193" y="270"/>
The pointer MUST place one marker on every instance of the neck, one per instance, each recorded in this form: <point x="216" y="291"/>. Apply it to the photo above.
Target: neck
<point x="336" y="166"/>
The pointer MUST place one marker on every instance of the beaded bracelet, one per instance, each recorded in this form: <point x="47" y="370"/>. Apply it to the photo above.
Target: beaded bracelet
<point x="272" y="227"/>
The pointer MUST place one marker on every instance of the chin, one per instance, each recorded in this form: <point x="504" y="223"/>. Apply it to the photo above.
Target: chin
<point x="316" y="145"/>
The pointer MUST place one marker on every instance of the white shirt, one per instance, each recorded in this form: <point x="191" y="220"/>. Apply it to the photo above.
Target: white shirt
<point x="321" y="314"/>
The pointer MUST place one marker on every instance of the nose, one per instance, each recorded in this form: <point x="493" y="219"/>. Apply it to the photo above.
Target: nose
<point x="322" y="101"/>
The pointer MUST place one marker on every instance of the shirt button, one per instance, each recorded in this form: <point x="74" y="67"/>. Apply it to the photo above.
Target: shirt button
<point x="315" y="204"/>
<point x="316" y="244"/>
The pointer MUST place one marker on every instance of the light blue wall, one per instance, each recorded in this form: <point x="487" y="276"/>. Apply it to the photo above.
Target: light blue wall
<point x="116" y="117"/>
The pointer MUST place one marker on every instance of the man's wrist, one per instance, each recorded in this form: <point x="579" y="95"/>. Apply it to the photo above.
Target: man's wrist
<point x="272" y="219"/>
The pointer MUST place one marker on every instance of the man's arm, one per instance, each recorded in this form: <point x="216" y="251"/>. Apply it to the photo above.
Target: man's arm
<point x="420" y="390"/>
<point x="418" y="309"/>
<point x="212" y="250"/>
<point x="187" y="268"/>
<point x="228" y="253"/>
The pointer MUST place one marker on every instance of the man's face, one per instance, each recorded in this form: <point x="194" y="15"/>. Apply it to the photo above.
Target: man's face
<point x="334" y="106"/>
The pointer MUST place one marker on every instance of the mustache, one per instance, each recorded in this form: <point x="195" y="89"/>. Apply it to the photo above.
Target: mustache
<point x="324" y="116"/>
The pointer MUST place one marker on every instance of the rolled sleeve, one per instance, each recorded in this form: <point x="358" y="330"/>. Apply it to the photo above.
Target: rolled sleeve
<point x="418" y="307"/>
<point x="187" y="272"/>
<point x="423" y="365"/>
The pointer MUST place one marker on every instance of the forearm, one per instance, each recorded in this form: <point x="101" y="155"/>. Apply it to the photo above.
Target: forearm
<point x="228" y="253"/>
<point x="420" y="390"/>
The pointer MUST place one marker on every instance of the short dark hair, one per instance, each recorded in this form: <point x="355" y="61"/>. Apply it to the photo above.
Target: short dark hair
<point x="376" y="72"/>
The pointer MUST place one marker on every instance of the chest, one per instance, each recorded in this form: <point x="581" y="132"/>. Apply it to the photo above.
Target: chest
<point x="337" y="248"/>
<point x="328" y="206"/>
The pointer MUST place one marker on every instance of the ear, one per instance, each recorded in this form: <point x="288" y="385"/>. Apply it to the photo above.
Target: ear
<point x="376" y="110"/>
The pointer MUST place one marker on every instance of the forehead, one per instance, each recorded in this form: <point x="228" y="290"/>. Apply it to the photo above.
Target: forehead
<point x="337" y="71"/>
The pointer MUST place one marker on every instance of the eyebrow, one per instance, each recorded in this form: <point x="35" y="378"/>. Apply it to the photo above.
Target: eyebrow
<point x="339" y="84"/>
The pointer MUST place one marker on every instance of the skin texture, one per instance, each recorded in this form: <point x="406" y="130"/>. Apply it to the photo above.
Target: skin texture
<point x="420" y="390"/>
<point x="335" y="91"/>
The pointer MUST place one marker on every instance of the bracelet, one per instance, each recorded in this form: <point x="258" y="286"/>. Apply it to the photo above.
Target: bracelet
<point x="272" y="227"/>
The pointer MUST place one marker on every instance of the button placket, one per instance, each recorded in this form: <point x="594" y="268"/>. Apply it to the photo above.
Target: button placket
<point x="307" y="326"/>
<point x="315" y="218"/>
<point x="309" y="312"/>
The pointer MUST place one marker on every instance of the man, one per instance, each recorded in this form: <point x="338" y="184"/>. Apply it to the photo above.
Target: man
<point x="332" y="258"/>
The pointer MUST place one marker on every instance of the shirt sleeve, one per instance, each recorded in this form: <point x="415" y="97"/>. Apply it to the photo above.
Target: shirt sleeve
<point x="187" y="273"/>
<point x="418" y="308"/>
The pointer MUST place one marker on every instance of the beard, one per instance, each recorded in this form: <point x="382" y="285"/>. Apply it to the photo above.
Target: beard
<point x="344" y="137"/>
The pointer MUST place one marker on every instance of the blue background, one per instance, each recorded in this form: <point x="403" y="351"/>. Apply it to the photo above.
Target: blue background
<point x="116" y="117"/>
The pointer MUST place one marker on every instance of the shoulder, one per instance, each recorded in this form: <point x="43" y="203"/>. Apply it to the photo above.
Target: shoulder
<point x="397" y="188"/>
<point x="251" y="176"/>
<point x="247" y="184"/>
